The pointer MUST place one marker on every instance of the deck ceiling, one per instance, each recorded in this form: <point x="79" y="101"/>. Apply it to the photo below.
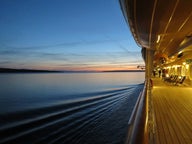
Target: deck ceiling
<point x="164" y="26"/>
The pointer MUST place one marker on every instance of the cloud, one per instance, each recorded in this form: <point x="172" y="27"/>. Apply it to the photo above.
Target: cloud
<point x="9" y="52"/>
<point x="79" y="43"/>
<point x="68" y="59"/>
<point x="4" y="62"/>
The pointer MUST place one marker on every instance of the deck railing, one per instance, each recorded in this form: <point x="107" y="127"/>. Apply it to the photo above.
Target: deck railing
<point x="137" y="121"/>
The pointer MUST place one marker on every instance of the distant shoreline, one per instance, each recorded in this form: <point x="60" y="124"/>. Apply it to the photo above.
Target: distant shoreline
<point x="125" y="71"/>
<point x="10" y="70"/>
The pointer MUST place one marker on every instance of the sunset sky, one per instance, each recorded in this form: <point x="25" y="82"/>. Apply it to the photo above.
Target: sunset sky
<point x="66" y="35"/>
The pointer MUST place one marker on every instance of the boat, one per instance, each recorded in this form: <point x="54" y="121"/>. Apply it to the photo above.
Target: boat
<point x="163" y="30"/>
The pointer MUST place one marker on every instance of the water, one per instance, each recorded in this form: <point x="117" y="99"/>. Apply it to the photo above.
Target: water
<point x="85" y="108"/>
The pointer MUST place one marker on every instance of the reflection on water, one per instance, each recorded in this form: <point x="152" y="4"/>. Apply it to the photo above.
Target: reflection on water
<point x="67" y="108"/>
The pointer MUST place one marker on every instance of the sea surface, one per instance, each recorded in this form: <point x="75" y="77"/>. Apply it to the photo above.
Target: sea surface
<point x="67" y="108"/>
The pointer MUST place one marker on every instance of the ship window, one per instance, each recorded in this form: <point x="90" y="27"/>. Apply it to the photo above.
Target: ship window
<point x="178" y="70"/>
<point x="190" y="72"/>
<point x="183" y="70"/>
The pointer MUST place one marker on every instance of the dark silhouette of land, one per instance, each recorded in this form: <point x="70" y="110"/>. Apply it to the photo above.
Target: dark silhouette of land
<point x="125" y="71"/>
<point x="11" y="70"/>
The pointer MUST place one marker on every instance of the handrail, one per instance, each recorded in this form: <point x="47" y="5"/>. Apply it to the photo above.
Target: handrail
<point x="134" y="110"/>
<point x="136" y="124"/>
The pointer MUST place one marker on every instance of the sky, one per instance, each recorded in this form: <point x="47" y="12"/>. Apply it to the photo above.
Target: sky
<point x="66" y="35"/>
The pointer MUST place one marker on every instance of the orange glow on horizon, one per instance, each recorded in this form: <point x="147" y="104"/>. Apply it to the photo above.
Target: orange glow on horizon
<point x="88" y="68"/>
<point x="98" y="67"/>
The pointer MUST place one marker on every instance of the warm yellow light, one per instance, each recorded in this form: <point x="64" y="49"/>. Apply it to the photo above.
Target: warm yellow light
<point x="184" y="63"/>
<point x="174" y="66"/>
<point x="187" y="66"/>
<point x="158" y="38"/>
<point x="179" y="77"/>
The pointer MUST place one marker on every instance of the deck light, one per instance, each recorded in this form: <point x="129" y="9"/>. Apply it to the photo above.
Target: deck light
<point x="179" y="77"/>
<point x="158" y="38"/>
<point x="187" y="66"/>
<point x="180" y="54"/>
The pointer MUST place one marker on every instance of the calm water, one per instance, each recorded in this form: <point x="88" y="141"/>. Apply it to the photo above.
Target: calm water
<point x="85" y="108"/>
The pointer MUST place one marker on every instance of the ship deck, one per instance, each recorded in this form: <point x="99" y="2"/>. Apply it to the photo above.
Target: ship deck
<point x="173" y="113"/>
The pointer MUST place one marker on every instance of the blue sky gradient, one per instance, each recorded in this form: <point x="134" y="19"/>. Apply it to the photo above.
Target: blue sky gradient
<point x="66" y="35"/>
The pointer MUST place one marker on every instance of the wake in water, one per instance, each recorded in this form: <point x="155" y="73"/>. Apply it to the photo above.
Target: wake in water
<point x="100" y="118"/>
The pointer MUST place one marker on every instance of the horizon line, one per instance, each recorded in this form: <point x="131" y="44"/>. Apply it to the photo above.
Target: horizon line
<point x="43" y="70"/>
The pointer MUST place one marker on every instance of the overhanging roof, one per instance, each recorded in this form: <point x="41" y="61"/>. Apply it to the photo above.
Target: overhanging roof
<point x="161" y="25"/>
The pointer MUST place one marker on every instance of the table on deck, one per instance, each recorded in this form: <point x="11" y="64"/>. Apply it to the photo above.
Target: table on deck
<point x="173" y="113"/>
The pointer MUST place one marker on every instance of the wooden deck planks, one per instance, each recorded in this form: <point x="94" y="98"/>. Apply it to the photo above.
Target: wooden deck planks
<point x="173" y="113"/>
<point x="160" y="131"/>
<point x="165" y="123"/>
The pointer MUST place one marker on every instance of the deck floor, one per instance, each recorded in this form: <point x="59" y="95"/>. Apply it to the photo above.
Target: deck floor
<point x="173" y="113"/>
